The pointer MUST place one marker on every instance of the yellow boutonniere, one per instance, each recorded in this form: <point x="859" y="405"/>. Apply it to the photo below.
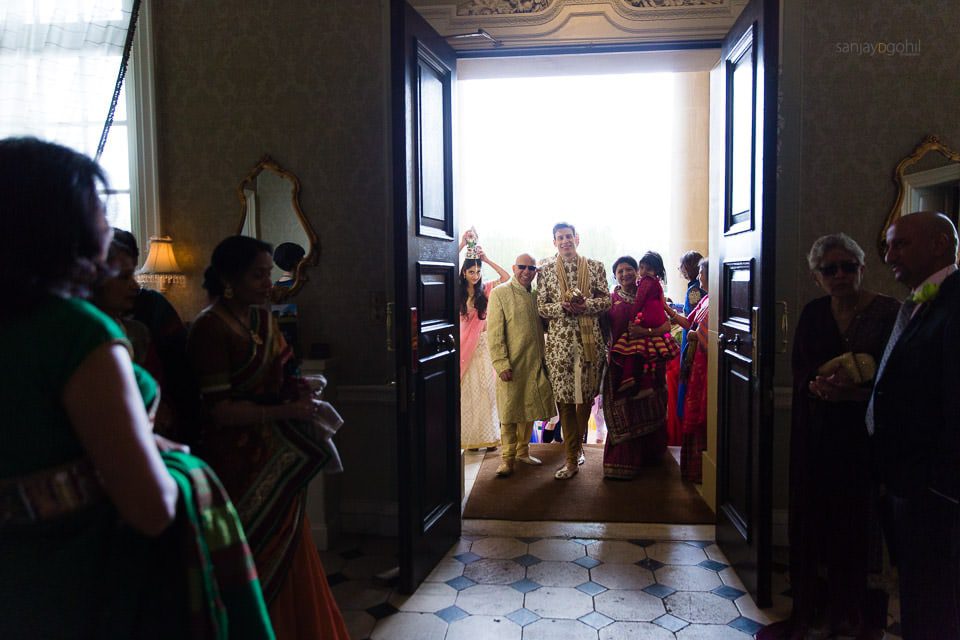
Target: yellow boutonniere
<point x="926" y="293"/>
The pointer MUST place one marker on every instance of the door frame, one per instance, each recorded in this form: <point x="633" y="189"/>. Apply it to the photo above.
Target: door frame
<point x="401" y="326"/>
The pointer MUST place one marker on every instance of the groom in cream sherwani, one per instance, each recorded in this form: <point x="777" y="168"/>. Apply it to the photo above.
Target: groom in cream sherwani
<point x="515" y="340"/>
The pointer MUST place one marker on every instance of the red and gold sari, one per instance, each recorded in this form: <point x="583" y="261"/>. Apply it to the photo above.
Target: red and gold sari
<point x="265" y="468"/>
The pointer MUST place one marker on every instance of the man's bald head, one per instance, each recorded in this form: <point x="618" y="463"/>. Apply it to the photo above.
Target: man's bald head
<point x="919" y="245"/>
<point x="524" y="269"/>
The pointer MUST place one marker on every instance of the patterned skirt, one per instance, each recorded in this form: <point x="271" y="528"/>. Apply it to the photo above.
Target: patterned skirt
<point x="479" y="422"/>
<point x="650" y="348"/>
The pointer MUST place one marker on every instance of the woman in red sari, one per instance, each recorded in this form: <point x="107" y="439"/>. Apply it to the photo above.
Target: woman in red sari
<point x="693" y="371"/>
<point x="636" y="427"/>
<point x="256" y="437"/>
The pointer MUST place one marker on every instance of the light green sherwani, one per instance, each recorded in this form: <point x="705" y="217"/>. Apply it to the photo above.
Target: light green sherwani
<point x="515" y="339"/>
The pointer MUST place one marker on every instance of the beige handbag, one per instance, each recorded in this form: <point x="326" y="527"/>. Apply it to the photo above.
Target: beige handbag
<point x="859" y="367"/>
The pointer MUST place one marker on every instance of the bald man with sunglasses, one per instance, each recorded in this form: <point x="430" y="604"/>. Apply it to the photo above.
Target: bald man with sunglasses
<point x="515" y="340"/>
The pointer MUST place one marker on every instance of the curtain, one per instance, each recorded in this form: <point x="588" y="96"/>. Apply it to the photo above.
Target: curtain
<point x="59" y="62"/>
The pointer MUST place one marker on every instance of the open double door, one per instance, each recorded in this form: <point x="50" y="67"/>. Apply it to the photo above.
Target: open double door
<point x="423" y="77"/>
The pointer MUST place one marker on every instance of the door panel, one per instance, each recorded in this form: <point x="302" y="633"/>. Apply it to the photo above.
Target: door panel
<point x="744" y="300"/>
<point x="428" y="364"/>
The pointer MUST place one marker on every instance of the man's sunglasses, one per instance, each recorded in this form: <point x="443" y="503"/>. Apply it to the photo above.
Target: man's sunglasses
<point x="528" y="267"/>
<point x="831" y="269"/>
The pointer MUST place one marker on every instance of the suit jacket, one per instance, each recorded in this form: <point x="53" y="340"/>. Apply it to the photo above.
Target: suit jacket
<point x="916" y="403"/>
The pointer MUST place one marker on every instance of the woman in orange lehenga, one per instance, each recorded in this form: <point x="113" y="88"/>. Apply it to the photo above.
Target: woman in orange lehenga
<point x="257" y="436"/>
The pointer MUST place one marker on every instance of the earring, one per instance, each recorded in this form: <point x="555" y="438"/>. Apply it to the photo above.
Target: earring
<point x="228" y="292"/>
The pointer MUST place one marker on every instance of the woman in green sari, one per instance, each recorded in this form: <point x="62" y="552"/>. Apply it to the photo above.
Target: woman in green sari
<point x="90" y="542"/>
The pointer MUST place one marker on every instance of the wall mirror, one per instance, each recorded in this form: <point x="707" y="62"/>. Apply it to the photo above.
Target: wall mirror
<point x="270" y="199"/>
<point x="927" y="180"/>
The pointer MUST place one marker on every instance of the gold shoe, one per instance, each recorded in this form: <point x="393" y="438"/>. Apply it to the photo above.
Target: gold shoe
<point x="566" y="472"/>
<point x="529" y="460"/>
<point x="505" y="469"/>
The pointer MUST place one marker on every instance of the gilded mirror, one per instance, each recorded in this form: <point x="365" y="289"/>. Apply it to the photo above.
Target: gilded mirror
<point x="927" y="180"/>
<point x="270" y="200"/>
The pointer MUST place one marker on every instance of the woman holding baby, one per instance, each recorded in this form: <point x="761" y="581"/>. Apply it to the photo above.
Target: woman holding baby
<point x="833" y="522"/>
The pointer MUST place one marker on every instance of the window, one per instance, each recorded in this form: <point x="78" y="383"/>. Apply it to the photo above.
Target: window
<point x="58" y="67"/>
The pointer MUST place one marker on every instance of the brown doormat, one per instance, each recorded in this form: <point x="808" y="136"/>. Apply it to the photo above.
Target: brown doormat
<point x="531" y="493"/>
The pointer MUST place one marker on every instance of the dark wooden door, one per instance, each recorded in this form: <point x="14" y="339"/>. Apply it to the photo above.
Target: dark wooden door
<point x="428" y="366"/>
<point x="744" y="298"/>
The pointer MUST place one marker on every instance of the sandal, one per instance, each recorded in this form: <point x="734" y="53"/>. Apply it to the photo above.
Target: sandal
<point x="566" y="472"/>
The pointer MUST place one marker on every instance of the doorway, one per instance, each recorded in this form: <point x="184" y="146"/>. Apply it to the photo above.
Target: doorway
<point x="424" y="72"/>
<point x="615" y="144"/>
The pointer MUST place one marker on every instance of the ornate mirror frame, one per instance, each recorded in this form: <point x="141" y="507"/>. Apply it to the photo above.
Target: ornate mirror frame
<point x="266" y="163"/>
<point x="930" y="144"/>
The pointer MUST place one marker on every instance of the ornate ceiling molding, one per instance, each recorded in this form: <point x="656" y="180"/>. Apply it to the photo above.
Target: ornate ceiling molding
<point x="532" y="23"/>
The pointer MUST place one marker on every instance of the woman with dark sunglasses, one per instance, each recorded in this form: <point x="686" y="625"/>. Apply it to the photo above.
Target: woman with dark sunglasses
<point x="833" y="520"/>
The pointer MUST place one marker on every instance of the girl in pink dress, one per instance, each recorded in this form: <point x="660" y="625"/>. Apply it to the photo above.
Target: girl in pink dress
<point x="635" y="359"/>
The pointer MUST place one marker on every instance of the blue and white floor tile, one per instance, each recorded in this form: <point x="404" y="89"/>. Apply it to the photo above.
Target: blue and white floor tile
<point x="557" y="581"/>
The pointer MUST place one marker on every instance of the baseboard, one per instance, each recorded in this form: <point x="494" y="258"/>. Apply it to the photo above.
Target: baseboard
<point x="708" y="489"/>
<point x="370" y="517"/>
<point x="323" y="536"/>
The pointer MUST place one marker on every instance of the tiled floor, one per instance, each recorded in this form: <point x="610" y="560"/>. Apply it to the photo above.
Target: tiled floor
<point x="548" y="580"/>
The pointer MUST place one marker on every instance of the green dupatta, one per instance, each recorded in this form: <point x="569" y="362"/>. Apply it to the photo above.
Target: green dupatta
<point x="224" y="592"/>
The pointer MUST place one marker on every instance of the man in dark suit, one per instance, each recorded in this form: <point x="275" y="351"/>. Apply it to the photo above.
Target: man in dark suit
<point x="914" y="418"/>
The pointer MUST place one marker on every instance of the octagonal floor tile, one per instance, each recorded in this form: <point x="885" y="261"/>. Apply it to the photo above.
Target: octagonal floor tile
<point x="429" y="598"/>
<point x="460" y="546"/>
<point x="558" y="602"/>
<point x="359" y="594"/>
<point x="629" y="606"/>
<point x="635" y="630"/>
<point x="558" y="574"/>
<point x="676" y="553"/>
<point x="557" y="550"/>
<point x="489" y="600"/>
<point x="710" y="632"/>
<point x="490" y="571"/>
<point x="359" y="623"/>
<point x="688" y="578"/>
<point x="484" y="628"/>
<point x="447" y="569"/>
<point x="701" y="607"/>
<point x="554" y="629"/>
<point x="622" y="576"/>
<point x="616" y="551"/>
<point x="410" y="626"/>
<point x="366" y="566"/>
<point x="499" y="548"/>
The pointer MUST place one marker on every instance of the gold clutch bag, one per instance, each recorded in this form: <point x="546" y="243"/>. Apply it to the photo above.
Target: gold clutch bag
<point x="859" y="367"/>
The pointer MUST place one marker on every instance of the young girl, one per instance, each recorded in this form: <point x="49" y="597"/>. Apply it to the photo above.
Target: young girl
<point x="635" y="358"/>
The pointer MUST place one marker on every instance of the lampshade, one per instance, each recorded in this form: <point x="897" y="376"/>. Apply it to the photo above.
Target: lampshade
<point x="160" y="269"/>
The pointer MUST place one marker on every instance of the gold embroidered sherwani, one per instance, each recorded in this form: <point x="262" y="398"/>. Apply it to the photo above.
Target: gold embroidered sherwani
<point x="575" y="380"/>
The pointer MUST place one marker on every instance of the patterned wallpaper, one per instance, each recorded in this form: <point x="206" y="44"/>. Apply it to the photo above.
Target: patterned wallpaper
<point x="306" y="83"/>
<point x="874" y="83"/>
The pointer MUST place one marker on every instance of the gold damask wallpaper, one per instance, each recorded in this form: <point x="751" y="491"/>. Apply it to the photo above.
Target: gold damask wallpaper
<point x="875" y="78"/>
<point x="306" y="83"/>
